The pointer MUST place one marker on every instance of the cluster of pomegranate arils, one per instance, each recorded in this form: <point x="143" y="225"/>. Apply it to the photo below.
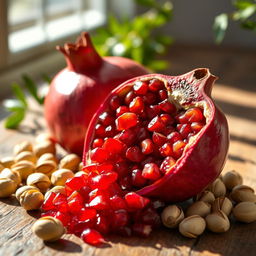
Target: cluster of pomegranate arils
<point x="136" y="141"/>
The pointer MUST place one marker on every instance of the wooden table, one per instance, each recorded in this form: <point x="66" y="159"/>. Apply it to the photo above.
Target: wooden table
<point x="235" y="93"/>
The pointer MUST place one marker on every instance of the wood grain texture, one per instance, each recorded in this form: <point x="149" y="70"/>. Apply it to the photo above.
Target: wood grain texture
<point x="235" y="94"/>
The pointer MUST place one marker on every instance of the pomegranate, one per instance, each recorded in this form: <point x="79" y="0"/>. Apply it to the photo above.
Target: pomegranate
<point x="169" y="135"/>
<point x="77" y="91"/>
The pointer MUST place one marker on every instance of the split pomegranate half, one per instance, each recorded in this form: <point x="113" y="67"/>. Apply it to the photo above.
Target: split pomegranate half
<point x="162" y="135"/>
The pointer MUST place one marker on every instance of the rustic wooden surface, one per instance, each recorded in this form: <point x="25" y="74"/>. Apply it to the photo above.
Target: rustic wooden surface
<point x="235" y="93"/>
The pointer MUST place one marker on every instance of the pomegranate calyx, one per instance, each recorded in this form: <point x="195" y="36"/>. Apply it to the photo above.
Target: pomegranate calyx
<point x="81" y="57"/>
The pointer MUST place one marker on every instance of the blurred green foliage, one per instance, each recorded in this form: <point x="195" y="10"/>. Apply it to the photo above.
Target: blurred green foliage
<point x="138" y="38"/>
<point x="244" y="14"/>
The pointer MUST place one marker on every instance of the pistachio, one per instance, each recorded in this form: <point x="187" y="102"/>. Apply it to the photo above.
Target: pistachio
<point x="223" y="204"/>
<point x="56" y="189"/>
<point x="48" y="228"/>
<point x="39" y="180"/>
<point x="22" y="189"/>
<point x="44" y="147"/>
<point x="245" y="212"/>
<point x="78" y="174"/>
<point x="172" y="215"/>
<point x="26" y="155"/>
<point x="10" y="174"/>
<point x="80" y="166"/>
<point x="60" y="177"/>
<point x="70" y="161"/>
<point x="1" y="167"/>
<point x="192" y="226"/>
<point x="31" y="199"/>
<point x="206" y="196"/>
<point x="7" y="187"/>
<point x="46" y="157"/>
<point x="217" y="222"/>
<point x="46" y="167"/>
<point x="218" y="188"/>
<point x="243" y="193"/>
<point x="200" y="208"/>
<point x="23" y="146"/>
<point x="24" y="168"/>
<point x="43" y="137"/>
<point x="232" y="179"/>
<point x="7" y="161"/>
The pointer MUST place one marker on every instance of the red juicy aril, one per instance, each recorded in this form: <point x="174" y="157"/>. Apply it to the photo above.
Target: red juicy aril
<point x="77" y="91"/>
<point x="172" y="139"/>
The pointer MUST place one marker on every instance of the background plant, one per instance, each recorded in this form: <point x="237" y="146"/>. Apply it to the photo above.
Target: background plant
<point x="244" y="13"/>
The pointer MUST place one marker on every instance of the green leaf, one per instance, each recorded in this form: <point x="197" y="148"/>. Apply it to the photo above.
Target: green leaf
<point x="220" y="26"/>
<point x="251" y="25"/>
<point x="19" y="93"/>
<point x="32" y="88"/>
<point x="14" y="119"/>
<point x="148" y="3"/>
<point x="242" y="4"/>
<point x="13" y="105"/>
<point x="46" y="78"/>
<point x="114" y="26"/>
<point x="245" y="13"/>
<point x="158" y="65"/>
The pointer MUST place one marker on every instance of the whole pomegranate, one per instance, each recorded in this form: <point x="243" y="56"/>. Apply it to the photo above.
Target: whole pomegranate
<point x="77" y="91"/>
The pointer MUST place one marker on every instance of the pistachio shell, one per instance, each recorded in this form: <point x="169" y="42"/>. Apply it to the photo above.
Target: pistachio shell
<point x="26" y="155"/>
<point x="70" y="161"/>
<point x="22" y="189"/>
<point x="80" y="166"/>
<point x="46" y="167"/>
<point x="43" y="137"/>
<point x="24" y="168"/>
<point x="39" y="180"/>
<point x="46" y="157"/>
<point x="56" y="189"/>
<point x="31" y="199"/>
<point x="60" y="177"/>
<point x="206" y="196"/>
<point x="243" y="193"/>
<point x="218" y="188"/>
<point x="7" y="161"/>
<point x="23" y="146"/>
<point x="245" y="212"/>
<point x="44" y="147"/>
<point x="232" y="179"/>
<point x="172" y="215"/>
<point x="200" y="208"/>
<point x="217" y="222"/>
<point x="223" y="204"/>
<point x="7" y="187"/>
<point x="11" y="174"/>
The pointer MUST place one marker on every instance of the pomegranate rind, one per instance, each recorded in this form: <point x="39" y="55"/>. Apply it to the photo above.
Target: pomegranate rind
<point x="205" y="155"/>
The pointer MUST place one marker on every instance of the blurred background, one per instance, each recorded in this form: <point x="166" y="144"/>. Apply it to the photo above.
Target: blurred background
<point x="167" y="36"/>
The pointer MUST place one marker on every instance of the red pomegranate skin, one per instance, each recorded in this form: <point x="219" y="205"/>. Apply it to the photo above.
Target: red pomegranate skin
<point x="77" y="91"/>
<point x="204" y="157"/>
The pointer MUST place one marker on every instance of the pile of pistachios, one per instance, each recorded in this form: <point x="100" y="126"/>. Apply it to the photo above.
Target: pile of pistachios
<point x="213" y="208"/>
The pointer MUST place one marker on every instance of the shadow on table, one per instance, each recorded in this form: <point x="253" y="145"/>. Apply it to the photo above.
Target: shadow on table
<point x="64" y="245"/>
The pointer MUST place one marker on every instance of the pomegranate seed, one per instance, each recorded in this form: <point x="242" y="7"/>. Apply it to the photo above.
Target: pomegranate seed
<point x="194" y="115"/>
<point x="155" y="85"/>
<point x="129" y="97"/>
<point x="110" y="131"/>
<point x="152" y="111"/>
<point x="74" y="183"/>
<point x="151" y="171"/>
<point x="91" y="236"/>
<point x="124" y="231"/>
<point x="147" y="146"/>
<point x="104" y="180"/>
<point x="106" y="119"/>
<point x="114" y="189"/>
<point x="84" y="192"/>
<point x="178" y="148"/>
<point x="184" y="130"/>
<point x="136" y="105"/>
<point x="63" y="217"/>
<point x="149" y="216"/>
<point x="76" y="227"/>
<point x="113" y="146"/>
<point x="97" y="143"/>
<point x="142" y="230"/>
<point x="121" y="110"/>
<point x="117" y="203"/>
<point x="86" y="213"/>
<point x="134" y="154"/>
<point x="126" y="121"/>
<point x="119" y="218"/>
<point x="167" y="106"/>
<point x="99" y="155"/>
<point x="167" y="164"/>
<point x="158" y="138"/>
<point x="127" y="136"/>
<point x="149" y="98"/>
<point x="95" y="192"/>
<point x="125" y="183"/>
<point x="173" y="137"/>
<point x="115" y="102"/>
<point x="99" y="203"/>
<point x="163" y="94"/>
<point x="147" y="160"/>
<point x="141" y="133"/>
<point x="167" y="119"/>
<point x="99" y="130"/>
<point x="136" y="201"/>
<point x="166" y="149"/>
<point x="122" y="168"/>
<point x="137" y="179"/>
<point x="140" y="88"/>
<point x="156" y="125"/>
<point x="196" y="126"/>
<point x="101" y="224"/>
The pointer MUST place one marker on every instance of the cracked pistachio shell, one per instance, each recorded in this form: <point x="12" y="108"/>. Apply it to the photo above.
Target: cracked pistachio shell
<point x="70" y="161"/>
<point x="46" y="157"/>
<point x="11" y="174"/>
<point x="223" y="204"/>
<point x="26" y="155"/>
<point x="22" y="189"/>
<point x="48" y="229"/>
<point x="217" y="222"/>
<point x="43" y="147"/>
<point x="23" y="146"/>
<point x="7" y="187"/>
<point x="232" y="179"/>
<point x="172" y="215"/>
<point x="24" y="168"/>
<point x="243" y="193"/>
<point x="31" y="199"/>
<point x="46" y="167"/>
<point x="39" y="180"/>
<point x="200" y="208"/>
<point x="218" y="188"/>
<point x="245" y="212"/>
<point x="7" y="161"/>
<point x="206" y="196"/>
<point x="60" y="177"/>
<point x="56" y="189"/>
<point x="192" y="226"/>
<point x="80" y="166"/>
